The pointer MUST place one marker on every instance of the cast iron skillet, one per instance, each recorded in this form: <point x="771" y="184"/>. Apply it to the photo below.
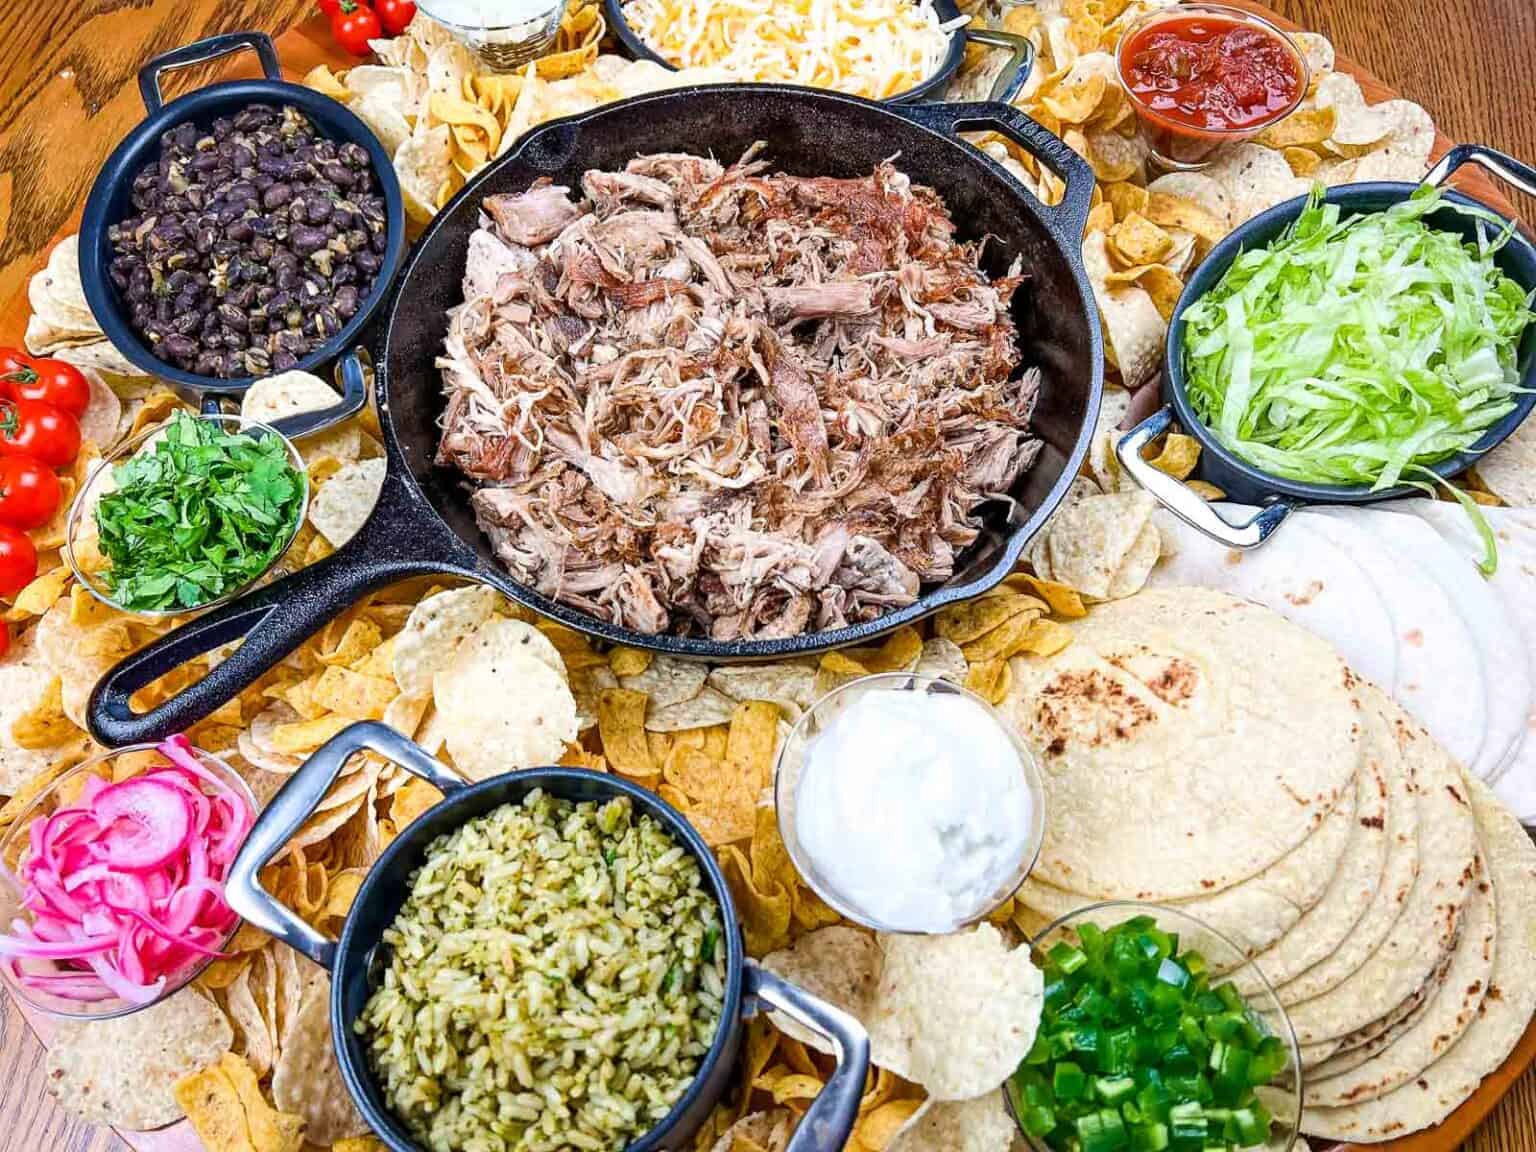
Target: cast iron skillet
<point x="108" y="203"/>
<point x="355" y="957"/>
<point x="1241" y="481"/>
<point x="1007" y="85"/>
<point x="423" y="523"/>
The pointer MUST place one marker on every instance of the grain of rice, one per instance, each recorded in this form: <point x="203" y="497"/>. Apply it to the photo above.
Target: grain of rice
<point x="554" y="979"/>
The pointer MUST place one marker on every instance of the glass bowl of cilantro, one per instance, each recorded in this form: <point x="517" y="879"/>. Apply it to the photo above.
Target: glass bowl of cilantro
<point x="1157" y="1035"/>
<point x="187" y="515"/>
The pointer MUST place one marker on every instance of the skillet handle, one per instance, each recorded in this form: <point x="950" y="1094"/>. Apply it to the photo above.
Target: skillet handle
<point x="295" y="803"/>
<point x="1021" y="61"/>
<point x="401" y="539"/>
<point x="1506" y="167"/>
<point x="829" y="1121"/>
<point x="200" y="52"/>
<point x="1071" y="215"/>
<point x="1183" y="501"/>
<point x="353" y="370"/>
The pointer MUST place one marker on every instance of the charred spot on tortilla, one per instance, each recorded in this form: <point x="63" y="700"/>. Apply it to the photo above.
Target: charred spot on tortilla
<point x="730" y="402"/>
<point x="1094" y="706"/>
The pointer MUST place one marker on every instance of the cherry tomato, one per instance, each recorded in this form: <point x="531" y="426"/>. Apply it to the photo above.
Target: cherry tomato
<point x="18" y="560"/>
<point x="55" y="382"/>
<point x="5" y="640"/>
<point x="32" y="428"/>
<point x="328" y="7"/>
<point x="395" y="15"/>
<point x="353" y="26"/>
<point x="29" y="492"/>
<point x="13" y="360"/>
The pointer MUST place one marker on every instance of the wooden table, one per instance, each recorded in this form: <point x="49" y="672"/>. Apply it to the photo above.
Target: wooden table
<point x="67" y="96"/>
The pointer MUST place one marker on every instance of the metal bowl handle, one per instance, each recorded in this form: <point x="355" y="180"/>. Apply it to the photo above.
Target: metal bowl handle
<point x="1505" y="167"/>
<point x="1021" y="60"/>
<point x="829" y="1121"/>
<point x="354" y="394"/>
<point x="200" y="52"/>
<point x="1182" y="500"/>
<point x="295" y="803"/>
<point x="1067" y="218"/>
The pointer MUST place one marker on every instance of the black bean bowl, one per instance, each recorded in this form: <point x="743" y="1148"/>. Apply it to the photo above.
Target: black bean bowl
<point x="355" y="959"/>
<point x="1278" y="496"/>
<point x="110" y="202"/>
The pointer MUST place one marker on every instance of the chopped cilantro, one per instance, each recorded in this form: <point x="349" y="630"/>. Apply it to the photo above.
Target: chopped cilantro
<point x="204" y="512"/>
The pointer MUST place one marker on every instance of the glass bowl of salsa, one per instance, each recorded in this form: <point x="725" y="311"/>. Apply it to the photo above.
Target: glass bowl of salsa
<point x="1204" y="75"/>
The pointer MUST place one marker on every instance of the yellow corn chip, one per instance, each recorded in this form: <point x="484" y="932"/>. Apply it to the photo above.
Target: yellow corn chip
<point x="1047" y="637"/>
<point x="575" y="756"/>
<point x="621" y="723"/>
<point x="1174" y="212"/>
<point x="305" y="736"/>
<point x="1179" y="456"/>
<point x="1304" y="126"/>
<point x="1126" y="198"/>
<point x="411" y="801"/>
<point x="360" y="639"/>
<point x="874" y="1130"/>
<point x="1062" y="599"/>
<point x="1206" y="490"/>
<point x="628" y="661"/>
<point x="989" y="679"/>
<point x="1303" y="161"/>
<point x="1100" y="219"/>
<point x="157" y="406"/>
<point x="350" y="693"/>
<point x="229" y="1114"/>
<point x="753" y="738"/>
<point x="44" y="725"/>
<point x="41" y="595"/>
<point x="1136" y="240"/>
<point x="972" y="619"/>
<point x="764" y="912"/>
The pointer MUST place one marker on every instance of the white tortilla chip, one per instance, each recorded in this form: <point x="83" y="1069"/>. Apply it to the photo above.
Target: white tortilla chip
<point x="345" y="501"/>
<point x="433" y="631"/>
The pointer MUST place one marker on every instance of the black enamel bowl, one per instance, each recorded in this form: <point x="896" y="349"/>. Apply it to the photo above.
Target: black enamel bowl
<point x="1007" y="86"/>
<point x="354" y="960"/>
<point x="110" y="202"/>
<point x="423" y="523"/>
<point x="1247" y="484"/>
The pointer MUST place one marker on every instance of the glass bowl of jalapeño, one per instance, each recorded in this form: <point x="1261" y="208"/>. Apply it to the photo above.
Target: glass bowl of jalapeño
<point x="1157" y="1035"/>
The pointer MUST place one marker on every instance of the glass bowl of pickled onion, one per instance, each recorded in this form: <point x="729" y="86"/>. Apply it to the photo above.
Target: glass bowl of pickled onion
<point x="111" y="881"/>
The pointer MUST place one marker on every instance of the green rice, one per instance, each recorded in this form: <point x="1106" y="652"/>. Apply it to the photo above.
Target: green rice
<point x="555" y="978"/>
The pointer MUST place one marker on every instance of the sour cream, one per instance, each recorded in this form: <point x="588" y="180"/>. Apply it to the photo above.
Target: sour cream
<point x="914" y="811"/>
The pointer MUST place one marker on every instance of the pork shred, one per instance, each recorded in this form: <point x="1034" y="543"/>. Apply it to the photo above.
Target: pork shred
<point x="730" y="402"/>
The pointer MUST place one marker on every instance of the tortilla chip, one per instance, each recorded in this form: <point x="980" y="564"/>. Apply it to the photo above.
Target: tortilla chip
<point x="942" y="659"/>
<point x="764" y="912"/>
<point x="621" y="723"/>
<point x="1090" y="541"/>
<point x="990" y="679"/>
<point x="433" y="632"/>
<point x="123" y="1071"/>
<point x="345" y="501"/>
<point x="709" y="707"/>
<point x="1136" y="240"/>
<point x="628" y="661"/>
<point x="1305" y="126"/>
<point x="490" y="730"/>
<point x="307" y="1079"/>
<point x="979" y="1125"/>
<point x="1179" y="456"/>
<point x="667" y="680"/>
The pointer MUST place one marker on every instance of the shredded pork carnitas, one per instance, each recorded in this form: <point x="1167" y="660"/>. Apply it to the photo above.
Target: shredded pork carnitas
<point x="717" y="401"/>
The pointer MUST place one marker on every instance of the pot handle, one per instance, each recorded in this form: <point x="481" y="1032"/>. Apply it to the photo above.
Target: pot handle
<point x="1183" y="501"/>
<point x="397" y="541"/>
<point x="1071" y="215"/>
<point x="352" y="370"/>
<point x="200" y="52"/>
<point x="829" y="1121"/>
<point x="295" y="803"/>
<point x="1021" y="60"/>
<point x="1506" y="167"/>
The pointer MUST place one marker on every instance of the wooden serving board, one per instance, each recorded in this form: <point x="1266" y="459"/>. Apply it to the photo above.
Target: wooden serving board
<point x="309" y="45"/>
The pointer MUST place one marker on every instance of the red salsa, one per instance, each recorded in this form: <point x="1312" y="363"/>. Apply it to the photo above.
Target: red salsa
<point x="1217" y="74"/>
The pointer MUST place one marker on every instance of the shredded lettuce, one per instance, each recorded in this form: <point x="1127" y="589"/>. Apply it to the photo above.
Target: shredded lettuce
<point x="1358" y="351"/>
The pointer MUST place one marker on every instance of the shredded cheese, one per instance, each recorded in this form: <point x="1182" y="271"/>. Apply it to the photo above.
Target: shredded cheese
<point x="873" y="48"/>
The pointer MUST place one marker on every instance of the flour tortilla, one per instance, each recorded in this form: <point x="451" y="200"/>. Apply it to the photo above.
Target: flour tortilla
<point x="1509" y="470"/>
<point x="1514" y="530"/>
<point x="1434" y="647"/>
<point x="1353" y="885"/>
<point x="1495" y="635"/>
<point x="1502" y="1018"/>
<point x="1299" y="573"/>
<point x="1398" y="873"/>
<point x="1425" y="931"/>
<point x="1259" y="911"/>
<point x="1188" y="740"/>
<point x="1398" y="1056"/>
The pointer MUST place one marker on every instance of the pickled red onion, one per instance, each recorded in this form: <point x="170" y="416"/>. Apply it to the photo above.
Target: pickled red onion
<point x="124" y="886"/>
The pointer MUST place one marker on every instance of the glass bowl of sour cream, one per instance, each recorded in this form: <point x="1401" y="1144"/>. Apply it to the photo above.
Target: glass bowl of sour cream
<point x="908" y="804"/>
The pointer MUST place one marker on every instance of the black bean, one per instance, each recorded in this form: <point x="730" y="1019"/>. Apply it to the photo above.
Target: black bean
<point x="283" y="360"/>
<point x="317" y="209"/>
<point x="207" y="363"/>
<point x="179" y="347"/>
<point x="306" y="239"/>
<point x="347" y="302"/>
